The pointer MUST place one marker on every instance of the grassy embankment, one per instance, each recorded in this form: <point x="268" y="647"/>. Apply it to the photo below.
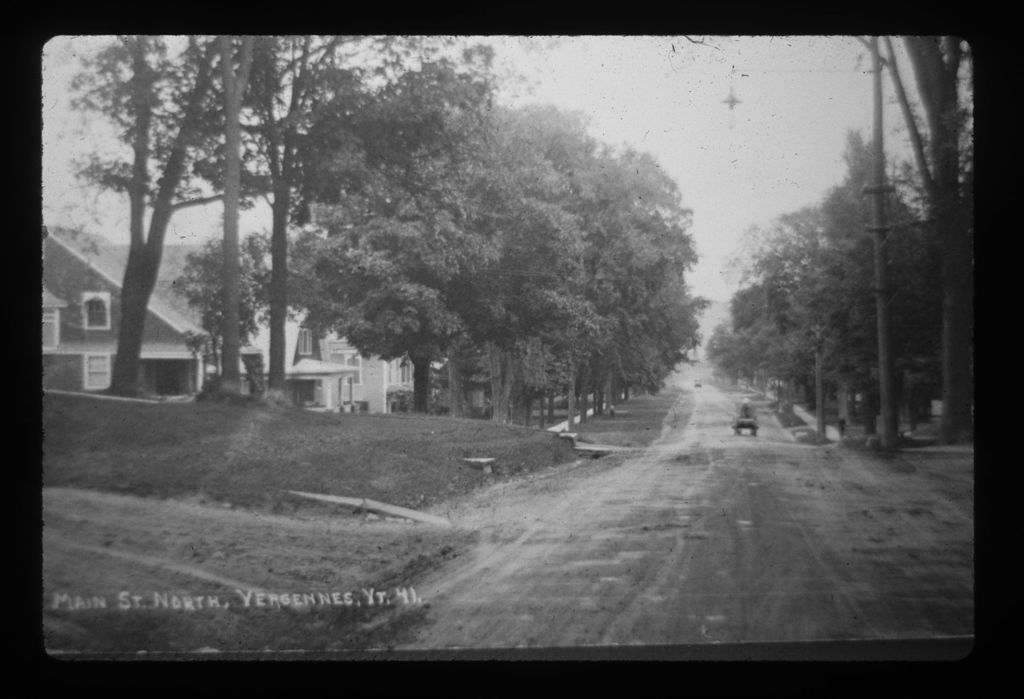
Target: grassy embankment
<point x="248" y="456"/>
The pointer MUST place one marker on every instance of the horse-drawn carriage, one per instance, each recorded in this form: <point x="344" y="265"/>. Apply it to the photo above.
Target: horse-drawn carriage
<point x="745" y="419"/>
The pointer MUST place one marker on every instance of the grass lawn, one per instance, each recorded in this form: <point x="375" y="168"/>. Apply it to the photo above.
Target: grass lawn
<point x="637" y="422"/>
<point x="248" y="456"/>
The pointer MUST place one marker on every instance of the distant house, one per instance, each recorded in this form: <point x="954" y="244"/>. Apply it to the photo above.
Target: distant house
<point x="327" y="373"/>
<point x="82" y="276"/>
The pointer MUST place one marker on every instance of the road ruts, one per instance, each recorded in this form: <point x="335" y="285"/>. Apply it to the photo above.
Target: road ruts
<point x="709" y="537"/>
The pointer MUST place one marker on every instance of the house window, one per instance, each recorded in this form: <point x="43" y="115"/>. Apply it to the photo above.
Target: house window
<point x="305" y="341"/>
<point x="96" y="310"/>
<point x="51" y="328"/>
<point x="97" y="371"/>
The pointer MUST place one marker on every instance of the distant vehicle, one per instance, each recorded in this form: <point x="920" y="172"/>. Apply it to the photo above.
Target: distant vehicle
<point x="745" y="419"/>
<point x="696" y="384"/>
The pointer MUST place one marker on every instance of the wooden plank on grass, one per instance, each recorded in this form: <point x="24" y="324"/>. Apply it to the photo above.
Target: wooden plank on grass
<point x="482" y="463"/>
<point x="601" y="449"/>
<point x="375" y="506"/>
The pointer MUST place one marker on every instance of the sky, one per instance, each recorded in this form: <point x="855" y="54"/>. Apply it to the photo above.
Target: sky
<point x="777" y="150"/>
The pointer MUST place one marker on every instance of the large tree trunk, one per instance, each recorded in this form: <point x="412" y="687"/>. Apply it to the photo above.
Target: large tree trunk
<point x="144" y="255"/>
<point x="234" y="86"/>
<point x="501" y="383"/>
<point x="454" y="388"/>
<point x="421" y="384"/>
<point x="521" y="410"/>
<point x="957" y="337"/>
<point x="133" y="313"/>
<point x="278" y="290"/>
<point x="843" y="400"/>
<point x="281" y="138"/>
<point x="870" y="409"/>
<point x="136" y="289"/>
<point x="936" y="64"/>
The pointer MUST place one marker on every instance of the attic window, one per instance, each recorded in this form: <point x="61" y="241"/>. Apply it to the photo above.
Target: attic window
<point x="96" y="310"/>
<point x="305" y="341"/>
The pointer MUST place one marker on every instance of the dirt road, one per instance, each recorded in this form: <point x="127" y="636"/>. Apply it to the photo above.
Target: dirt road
<point x="710" y="537"/>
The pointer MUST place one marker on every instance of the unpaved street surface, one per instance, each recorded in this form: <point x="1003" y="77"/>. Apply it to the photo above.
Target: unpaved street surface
<point x="710" y="537"/>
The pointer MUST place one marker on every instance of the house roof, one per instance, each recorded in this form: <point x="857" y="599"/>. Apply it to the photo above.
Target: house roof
<point x="109" y="260"/>
<point x="51" y="301"/>
<point x="305" y="366"/>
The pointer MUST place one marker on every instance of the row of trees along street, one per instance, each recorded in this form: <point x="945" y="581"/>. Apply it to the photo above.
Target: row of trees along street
<point x="809" y="276"/>
<point x="412" y="214"/>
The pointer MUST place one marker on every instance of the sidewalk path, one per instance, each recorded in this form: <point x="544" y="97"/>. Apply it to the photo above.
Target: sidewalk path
<point x="564" y="425"/>
<point x="812" y="422"/>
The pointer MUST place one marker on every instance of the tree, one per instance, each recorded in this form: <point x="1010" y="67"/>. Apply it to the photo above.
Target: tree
<point x="452" y="226"/>
<point x="636" y="257"/>
<point x="234" y="86"/>
<point x="520" y="299"/>
<point x="158" y="104"/>
<point x="808" y="285"/>
<point x="946" y="170"/>
<point x="291" y="77"/>
<point x="202" y="284"/>
<point x="588" y="275"/>
<point x="390" y="178"/>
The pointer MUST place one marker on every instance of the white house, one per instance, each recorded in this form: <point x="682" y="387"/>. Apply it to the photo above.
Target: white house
<point x="329" y="374"/>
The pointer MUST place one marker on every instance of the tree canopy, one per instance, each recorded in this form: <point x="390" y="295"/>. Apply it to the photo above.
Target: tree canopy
<point x="809" y="278"/>
<point x="451" y="222"/>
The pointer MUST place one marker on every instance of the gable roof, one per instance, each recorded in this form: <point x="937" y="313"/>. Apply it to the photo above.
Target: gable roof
<point x="110" y="259"/>
<point x="261" y="342"/>
<point x="51" y="301"/>
<point x="295" y="364"/>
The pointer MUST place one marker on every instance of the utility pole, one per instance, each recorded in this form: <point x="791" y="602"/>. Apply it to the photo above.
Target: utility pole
<point x="880" y="229"/>
<point x="819" y="382"/>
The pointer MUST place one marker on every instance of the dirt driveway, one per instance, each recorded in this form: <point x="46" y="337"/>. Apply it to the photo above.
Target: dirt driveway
<point x="709" y="537"/>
